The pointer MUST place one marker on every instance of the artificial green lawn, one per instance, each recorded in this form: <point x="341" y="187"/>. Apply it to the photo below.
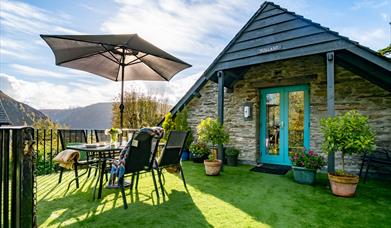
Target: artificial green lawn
<point x="237" y="198"/>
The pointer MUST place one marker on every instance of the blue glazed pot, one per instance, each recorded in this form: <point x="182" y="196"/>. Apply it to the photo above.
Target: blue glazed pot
<point x="303" y="175"/>
<point x="185" y="155"/>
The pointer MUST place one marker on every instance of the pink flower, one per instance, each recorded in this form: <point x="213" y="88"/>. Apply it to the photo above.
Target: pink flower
<point x="311" y="152"/>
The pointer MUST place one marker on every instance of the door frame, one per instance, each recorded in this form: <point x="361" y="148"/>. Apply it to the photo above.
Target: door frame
<point x="283" y="158"/>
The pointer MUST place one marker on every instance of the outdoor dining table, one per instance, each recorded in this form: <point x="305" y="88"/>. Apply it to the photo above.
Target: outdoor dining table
<point x="104" y="153"/>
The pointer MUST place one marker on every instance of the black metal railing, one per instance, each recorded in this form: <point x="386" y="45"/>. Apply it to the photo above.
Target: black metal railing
<point x="48" y="146"/>
<point x="17" y="172"/>
<point x="25" y="153"/>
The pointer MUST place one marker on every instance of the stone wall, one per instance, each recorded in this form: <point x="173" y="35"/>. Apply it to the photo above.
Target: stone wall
<point x="351" y="92"/>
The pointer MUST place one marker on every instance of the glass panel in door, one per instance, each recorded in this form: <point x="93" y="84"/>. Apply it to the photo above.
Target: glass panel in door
<point x="295" y="120"/>
<point x="272" y="124"/>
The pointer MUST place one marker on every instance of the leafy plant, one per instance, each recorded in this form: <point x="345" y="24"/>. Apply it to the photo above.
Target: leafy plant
<point x="349" y="133"/>
<point x="44" y="167"/>
<point x="199" y="149"/>
<point x="181" y="124"/>
<point x="232" y="151"/>
<point x="168" y="125"/>
<point x="307" y="159"/>
<point x="210" y="131"/>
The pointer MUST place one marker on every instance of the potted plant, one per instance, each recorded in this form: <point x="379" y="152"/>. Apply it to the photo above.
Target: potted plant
<point x="231" y="153"/>
<point x="199" y="152"/>
<point x="304" y="165"/>
<point x="113" y="132"/>
<point x="349" y="134"/>
<point x="211" y="132"/>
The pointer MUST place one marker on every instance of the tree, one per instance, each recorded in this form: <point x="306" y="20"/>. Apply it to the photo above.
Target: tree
<point x="181" y="124"/>
<point x="140" y="111"/>
<point x="168" y="125"/>
<point x="385" y="51"/>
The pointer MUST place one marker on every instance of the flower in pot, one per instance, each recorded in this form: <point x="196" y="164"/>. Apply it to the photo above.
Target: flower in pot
<point x="304" y="165"/>
<point x="349" y="134"/>
<point x="210" y="131"/>
<point x="113" y="132"/>
<point x="231" y="153"/>
<point x="199" y="152"/>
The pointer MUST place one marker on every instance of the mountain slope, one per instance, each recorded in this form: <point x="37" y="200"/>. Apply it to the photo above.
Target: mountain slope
<point x="19" y="113"/>
<point x="95" y="116"/>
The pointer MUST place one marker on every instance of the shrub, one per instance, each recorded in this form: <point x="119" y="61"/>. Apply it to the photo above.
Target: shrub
<point x="199" y="149"/>
<point x="168" y="125"/>
<point x="181" y="124"/>
<point x="232" y="151"/>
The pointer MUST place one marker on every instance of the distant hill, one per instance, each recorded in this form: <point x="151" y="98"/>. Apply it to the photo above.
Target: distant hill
<point x="95" y="116"/>
<point x="19" y="113"/>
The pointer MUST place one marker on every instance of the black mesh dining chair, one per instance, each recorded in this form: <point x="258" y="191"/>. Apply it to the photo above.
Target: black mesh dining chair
<point x="73" y="136"/>
<point x="171" y="155"/>
<point x="140" y="158"/>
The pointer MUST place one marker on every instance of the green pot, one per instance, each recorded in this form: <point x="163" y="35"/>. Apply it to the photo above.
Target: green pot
<point x="232" y="160"/>
<point x="303" y="175"/>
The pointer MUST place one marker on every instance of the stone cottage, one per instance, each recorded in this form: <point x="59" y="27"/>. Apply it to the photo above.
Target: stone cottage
<point x="279" y="76"/>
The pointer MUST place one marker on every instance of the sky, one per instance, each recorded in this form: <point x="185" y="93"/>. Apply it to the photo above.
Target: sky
<point x="193" y="30"/>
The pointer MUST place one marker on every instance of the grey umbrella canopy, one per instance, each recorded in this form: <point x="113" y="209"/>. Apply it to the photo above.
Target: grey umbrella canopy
<point x="116" y="57"/>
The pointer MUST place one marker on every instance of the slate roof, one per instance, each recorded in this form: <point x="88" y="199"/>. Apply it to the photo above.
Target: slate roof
<point x="4" y="120"/>
<point x="274" y="33"/>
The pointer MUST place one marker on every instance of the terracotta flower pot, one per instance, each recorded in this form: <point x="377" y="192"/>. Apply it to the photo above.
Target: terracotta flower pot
<point x="343" y="185"/>
<point x="212" y="168"/>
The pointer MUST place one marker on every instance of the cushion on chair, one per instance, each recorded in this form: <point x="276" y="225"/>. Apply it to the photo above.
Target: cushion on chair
<point x="66" y="158"/>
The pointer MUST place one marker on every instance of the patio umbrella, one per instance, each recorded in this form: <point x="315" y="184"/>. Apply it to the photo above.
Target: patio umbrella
<point x="116" y="57"/>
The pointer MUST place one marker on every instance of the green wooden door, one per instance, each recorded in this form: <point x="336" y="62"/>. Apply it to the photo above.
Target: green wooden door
<point x="284" y="122"/>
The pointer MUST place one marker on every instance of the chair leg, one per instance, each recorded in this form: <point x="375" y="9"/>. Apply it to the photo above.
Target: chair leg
<point x="183" y="176"/>
<point x="96" y="172"/>
<point x="76" y="177"/>
<point x="159" y="177"/>
<point x="132" y="182"/>
<point x="123" y="194"/>
<point x="154" y="183"/>
<point x="89" y="172"/>
<point x="137" y="176"/>
<point x="61" y="171"/>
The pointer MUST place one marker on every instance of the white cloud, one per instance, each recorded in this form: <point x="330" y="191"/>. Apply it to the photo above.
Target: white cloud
<point x="374" y="38"/>
<point x="194" y="28"/>
<point x="26" y="18"/>
<point x="21" y="23"/>
<point x="44" y="94"/>
<point x="13" y="48"/>
<point x="37" y="72"/>
<point x="375" y="4"/>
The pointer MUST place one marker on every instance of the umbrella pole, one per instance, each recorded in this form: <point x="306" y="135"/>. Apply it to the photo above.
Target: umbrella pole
<point x="121" y="106"/>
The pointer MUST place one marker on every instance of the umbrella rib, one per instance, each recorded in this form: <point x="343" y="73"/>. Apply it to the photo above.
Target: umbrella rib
<point x="109" y="58"/>
<point x="73" y="39"/>
<point x="137" y="59"/>
<point x="82" y="57"/>
<point x="117" y="60"/>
